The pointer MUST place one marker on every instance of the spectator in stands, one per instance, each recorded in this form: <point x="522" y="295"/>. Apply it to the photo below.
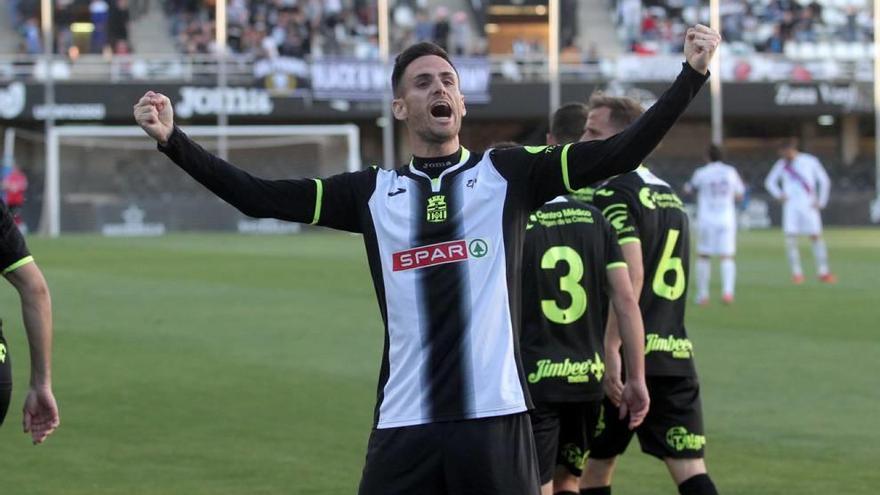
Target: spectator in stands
<point x="117" y="25"/>
<point x="99" y="12"/>
<point x="33" y="42"/>
<point x="460" y="35"/>
<point x="441" y="27"/>
<point x="424" y="30"/>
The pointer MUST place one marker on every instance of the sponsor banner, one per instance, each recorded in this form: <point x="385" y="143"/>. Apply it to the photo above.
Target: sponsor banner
<point x="367" y="80"/>
<point x="111" y="103"/>
<point x="133" y="225"/>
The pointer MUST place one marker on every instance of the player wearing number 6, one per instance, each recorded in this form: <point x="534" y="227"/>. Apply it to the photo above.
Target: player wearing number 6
<point x="652" y="229"/>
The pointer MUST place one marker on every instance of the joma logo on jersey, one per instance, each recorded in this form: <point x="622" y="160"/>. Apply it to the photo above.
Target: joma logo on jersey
<point x="436" y="208"/>
<point x="438" y="254"/>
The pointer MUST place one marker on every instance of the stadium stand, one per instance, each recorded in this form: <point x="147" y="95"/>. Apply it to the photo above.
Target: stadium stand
<point x="799" y="29"/>
<point x="318" y="28"/>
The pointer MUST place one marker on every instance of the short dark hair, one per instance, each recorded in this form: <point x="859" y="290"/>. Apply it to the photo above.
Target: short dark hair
<point x="788" y="143"/>
<point x="407" y="57"/>
<point x="567" y="124"/>
<point x="623" y="110"/>
<point x="714" y="153"/>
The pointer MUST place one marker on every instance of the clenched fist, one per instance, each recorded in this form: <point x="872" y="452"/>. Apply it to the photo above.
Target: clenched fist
<point x="154" y="114"/>
<point x="700" y="44"/>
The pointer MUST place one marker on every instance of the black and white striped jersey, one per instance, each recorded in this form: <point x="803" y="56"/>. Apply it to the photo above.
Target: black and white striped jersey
<point x="444" y="253"/>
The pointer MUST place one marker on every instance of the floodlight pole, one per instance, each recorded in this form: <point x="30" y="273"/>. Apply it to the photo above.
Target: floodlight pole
<point x="715" y="80"/>
<point x="877" y="106"/>
<point x="220" y="41"/>
<point x="388" y="155"/>
<point x="553" y="55"/>
<point x="50" y="221"/>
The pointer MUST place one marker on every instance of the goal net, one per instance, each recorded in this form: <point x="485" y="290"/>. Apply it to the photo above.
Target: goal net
<point x="112" y="181"/>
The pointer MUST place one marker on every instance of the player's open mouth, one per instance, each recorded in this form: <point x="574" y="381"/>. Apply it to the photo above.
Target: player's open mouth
<point x="441" y="110"/>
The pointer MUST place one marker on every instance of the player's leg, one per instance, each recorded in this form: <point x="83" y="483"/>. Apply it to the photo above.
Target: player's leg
<point x="577" y="427"/>
<point x="791" y="229"/>
<point x="404" y="460"/>
<point x="704" y="276"/>
<point x="545" y="426"/>
<point x="704" y="263"/>
<point x="490" y="456"/>
<point x="5" y="376"/>
<point x="728" y="265"/>
<point x="612" y="436"/>
<point x="674" y="433"/>
<point x="813" y="222"/>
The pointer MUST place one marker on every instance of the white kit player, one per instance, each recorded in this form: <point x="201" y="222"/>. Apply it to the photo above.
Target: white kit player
<point x="718" y="188"/>
<point x="801" y="184"/>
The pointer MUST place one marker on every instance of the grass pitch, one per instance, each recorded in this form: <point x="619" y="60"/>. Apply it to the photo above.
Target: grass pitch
<point x="211" y="364"/>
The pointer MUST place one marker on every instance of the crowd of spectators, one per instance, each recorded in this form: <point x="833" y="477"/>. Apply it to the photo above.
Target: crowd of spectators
<point x="657" y="26"/>
<point x="315" y="28"/>
<point x="106" y="25"/>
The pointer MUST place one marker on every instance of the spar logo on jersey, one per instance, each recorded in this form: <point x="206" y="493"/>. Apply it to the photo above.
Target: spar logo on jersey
<point x="439" y="254"/>
<point x="2" y="353"/>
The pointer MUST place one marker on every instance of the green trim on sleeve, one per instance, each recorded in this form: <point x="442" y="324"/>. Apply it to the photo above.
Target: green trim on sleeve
<point x="628" y="240"/>
<point x="18" y="264"/>
<point x="564" y="161"/>
<point x="319" y="197"/>
<point x="616" y="264"/>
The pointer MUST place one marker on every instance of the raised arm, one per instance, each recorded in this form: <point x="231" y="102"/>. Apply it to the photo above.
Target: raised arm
<point x="590" y="161"/>
<point x="292" y="200"/>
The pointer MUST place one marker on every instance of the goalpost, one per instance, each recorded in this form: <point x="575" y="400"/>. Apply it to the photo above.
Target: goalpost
<point x="97" y="174"/>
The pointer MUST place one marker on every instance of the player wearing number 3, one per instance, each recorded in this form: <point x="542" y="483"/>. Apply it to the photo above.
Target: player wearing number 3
<point x="652" y="228"/>
<point x="572" y="266"/>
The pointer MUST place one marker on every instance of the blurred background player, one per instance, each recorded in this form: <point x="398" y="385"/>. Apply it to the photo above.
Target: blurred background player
<point x="652" y="229"/>
<point x="572" y="264"/>
<point x="718" y="187"/>
<point x="40" y="413"/>
<point x="15" y="185"/>
<point x="800" y="183"/>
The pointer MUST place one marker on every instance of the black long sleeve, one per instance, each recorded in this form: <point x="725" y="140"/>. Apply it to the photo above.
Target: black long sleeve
<point x="591" y="161"/>
<point x="544" y="172"/>
<point x="290" y="199"/>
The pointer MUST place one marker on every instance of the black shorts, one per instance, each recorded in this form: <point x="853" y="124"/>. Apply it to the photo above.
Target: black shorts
<point x="489" y="456"/>
<point x="563" y="433"/>
<point x="673" y="427"/>
<point x="5" y="376"/>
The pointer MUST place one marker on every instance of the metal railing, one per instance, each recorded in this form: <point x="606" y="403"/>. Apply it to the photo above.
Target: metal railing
<point x="179" y="68"/>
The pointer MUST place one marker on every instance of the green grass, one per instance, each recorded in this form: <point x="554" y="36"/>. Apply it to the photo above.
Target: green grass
<point x="209" y="364"/>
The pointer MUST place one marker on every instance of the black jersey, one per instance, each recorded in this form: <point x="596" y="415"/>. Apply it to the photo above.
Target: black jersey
<point x="643" y="208"/>
<point x="569" y="248"/>
<point x="13" y="250"/>
<point x="444" y="252"/>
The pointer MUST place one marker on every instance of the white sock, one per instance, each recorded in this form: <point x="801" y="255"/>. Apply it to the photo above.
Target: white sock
<point x="728" y="276"/>
<point x="794" y="256"/>
<point x="704" y="273"/>
<point x="820" y="252"/>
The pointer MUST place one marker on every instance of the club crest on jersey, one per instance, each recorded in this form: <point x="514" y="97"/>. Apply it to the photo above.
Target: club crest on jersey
<point x="437" y="208"/>
<point x="438" y="254"/>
